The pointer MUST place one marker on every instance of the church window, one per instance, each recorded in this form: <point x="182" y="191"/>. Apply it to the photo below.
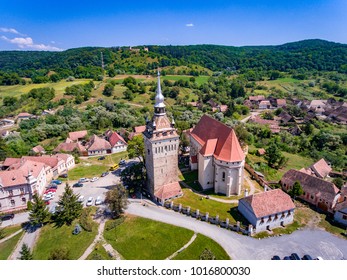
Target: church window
<point x="165" y="148"/>
<point x="161" y="148"/>
<point x="156" y="150"/>
<point x="223" y="176"/>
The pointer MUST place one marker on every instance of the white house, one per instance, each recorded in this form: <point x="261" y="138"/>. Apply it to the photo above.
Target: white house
<point x="216" y="152"/>
<point x="267" y="210"/>
<point x="340" y="214"/>
<point x="117" y="142"/>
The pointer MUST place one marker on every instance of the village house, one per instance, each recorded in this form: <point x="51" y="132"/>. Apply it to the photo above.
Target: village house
<point x="318" y="192"/>
<point x="17" y="186"/>
<point x="264" y="104"/>
<point x="138" y="130"/>
<point x="267" y="210"/>
<point x="98" y="146"/>
<point x="38" y="150"/>
<point x="217" y="155"/>
<point x="320" y="169"/>
<point x="71" y="147"/>
<point x="23" y="116"/>
<point x="76" y="136"/>
<point x="117" y="142"/>
<point x="273" y="124"/>
<point x="281" y="103"/>
<point x="340" y="214"/>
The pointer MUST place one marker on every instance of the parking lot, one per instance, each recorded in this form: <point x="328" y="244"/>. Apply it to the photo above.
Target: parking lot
<point x="89" y="189"/>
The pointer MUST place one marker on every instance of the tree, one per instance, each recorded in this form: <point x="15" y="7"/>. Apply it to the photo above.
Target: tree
<point x="108" y="90"/>
<point x="69" y="208"/>
<point x="25" y="253"/>
<point x="116" y="199"/>
<point x="296" y="189"/>
<point x="59" y="254"/>
<point x="274" y="157"/>
<point x="134" y="177"/>
<point x="136" y="148"/>
<point x="38" y="212"/>
<point x="207" y="255"/>
<point x="338" y="182"/>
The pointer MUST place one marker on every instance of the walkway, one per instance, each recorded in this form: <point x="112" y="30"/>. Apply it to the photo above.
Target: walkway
<point x="10" y="236"/>
<point x="315" y="242"/>
<point x="183" y="248"/>
<point x="29" y="238"/>
<point x="99" y="238"/>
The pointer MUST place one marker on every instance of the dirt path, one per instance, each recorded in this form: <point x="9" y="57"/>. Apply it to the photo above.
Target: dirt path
<point x="184" y="247"/>
<point x="10" y="236"/>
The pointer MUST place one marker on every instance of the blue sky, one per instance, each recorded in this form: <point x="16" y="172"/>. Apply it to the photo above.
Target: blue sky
<point x="60" y="25"/>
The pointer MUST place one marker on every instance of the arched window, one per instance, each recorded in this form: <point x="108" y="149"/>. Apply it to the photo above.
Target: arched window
<point x="223" y="176"/>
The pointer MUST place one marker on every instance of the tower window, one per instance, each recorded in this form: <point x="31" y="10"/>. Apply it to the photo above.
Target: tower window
<point x="156" y="150"/>
<point x="148" y="151"/>
<point x="223" y="176"/>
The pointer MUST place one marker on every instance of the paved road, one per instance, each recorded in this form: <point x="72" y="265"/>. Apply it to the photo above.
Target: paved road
<point x="314" y="242"/>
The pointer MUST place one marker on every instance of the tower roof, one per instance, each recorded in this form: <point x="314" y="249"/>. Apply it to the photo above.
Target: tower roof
<point x="159" y="97"/>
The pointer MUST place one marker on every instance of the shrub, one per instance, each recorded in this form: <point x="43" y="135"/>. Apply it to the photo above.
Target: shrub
<point x="85" y="220"/>
<point x="112" y="224"/>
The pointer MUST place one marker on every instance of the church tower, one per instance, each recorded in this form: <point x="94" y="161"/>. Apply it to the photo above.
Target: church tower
<point x="161" y="153"/>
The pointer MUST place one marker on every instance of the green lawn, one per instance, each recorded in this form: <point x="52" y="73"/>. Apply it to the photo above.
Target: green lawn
<point x="52" y="237"/>
<point x="86" y="170"/>
<point x="99" y="253"/>
<point x="224" y="210"/>
<point x="11" y="229"/>
<point x="195" y="249"/>
<point x="191" y="178"/>
<point x="7" y="247"/>
<point x="109" y="159"/>
<point x="143" y="239"/>
<point x="17" y="90"/>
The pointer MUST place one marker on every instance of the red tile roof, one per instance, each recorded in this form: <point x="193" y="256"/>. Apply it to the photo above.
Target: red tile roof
<point x="256" y="98"/>
<point x="38" y="149"/>
<point x="96" y="144"/>
<point x="140" y="129"/>
<point x="281" y="102"/>
<point x="69" y="147"/>
<point x="321" y="168"/>
<point x="269" y="202"/>
<point x="261" y="151"/>
<point x="24" y="115"/>
<point x="13" y="178"/>
<point x="114" y="138"/>
<point x="227" y="148"/>
<point x="209" y="147"/>
<point x="75" y="135"/>
<point x="10" y="161"/>
<point x="50" y="161"/>
<point x="169" y="191"/>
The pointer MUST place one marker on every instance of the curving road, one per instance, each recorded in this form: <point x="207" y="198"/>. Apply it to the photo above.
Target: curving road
<point x="314" y="242"/>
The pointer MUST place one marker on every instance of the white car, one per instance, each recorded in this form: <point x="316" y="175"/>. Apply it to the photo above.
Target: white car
<point x="48" y="196"/>
<point x="98" y="201"/>
<point x="83" y="180"/>
<point x="94" y="179"/>
<point x="90" y="201"/>
<point x="81" y="198"/>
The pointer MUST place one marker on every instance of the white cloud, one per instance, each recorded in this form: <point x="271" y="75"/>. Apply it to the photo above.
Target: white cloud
<point x="9" y="30"/>
<point x="190" y="25"/>
<point x="28" y="42"/>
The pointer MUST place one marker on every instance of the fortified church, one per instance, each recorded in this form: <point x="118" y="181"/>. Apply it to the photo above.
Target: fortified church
<point x="215" y="152"/>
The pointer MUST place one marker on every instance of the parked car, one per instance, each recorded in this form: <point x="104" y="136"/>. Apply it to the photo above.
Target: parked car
<point x="104" y="174"/>
<point x="90" y="201"/>
<point x="52" y="186"/>
<point x="48" y="196"/>
<point x="81" y="198"/>
<point x="83" y="180"/>
<point x="295" y="256"/>
<point x="63" y="175"/>
<point x="307" y="257"/>
<point x="275" y="258"/>
<point x="287" y="258"/>
<point x="94" y="179"/>
<point x="77" y="185"/>
<point x="7" y="217"/>
<point x="58" y="182"/>
<point x="114" y="167"/>
<point x="319" y="258"/>
<point x="122" y="162"/>
<point x="101" y="158"/>
<point x="98" y="200"/>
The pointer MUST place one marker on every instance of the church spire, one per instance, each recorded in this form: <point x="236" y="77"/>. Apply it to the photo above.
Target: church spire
<point x="159" y="107"/>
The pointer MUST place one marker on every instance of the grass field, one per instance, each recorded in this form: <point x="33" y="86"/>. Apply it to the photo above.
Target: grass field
<point x="143" y="239"/>
<point x="7" y="247"/>
<point x="10" y="229"/>
<point x="52" y="238"/>
<point x="99" y="253"/>
<point x="86" y="170"/>
<point x="201" y="242"/>
<point x="59" y="87"/>
<point x="109" y="159"/>
<point x="224" y="210"/>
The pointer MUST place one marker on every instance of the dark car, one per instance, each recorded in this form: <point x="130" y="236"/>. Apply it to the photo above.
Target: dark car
<point x="275" y="258"/>
<point x="52" y="186"/>
<point x="295" y="256"/>
<point x="287" y="258"/>
<point x="57" y="182"/>
<point x="104" y="174"/>
<point x="7" y="217"/>
<point x="101" y="158"/>
<point x="63" y="175"/>
<point x="77" y="185"/>
<point x="307" y="257"/>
